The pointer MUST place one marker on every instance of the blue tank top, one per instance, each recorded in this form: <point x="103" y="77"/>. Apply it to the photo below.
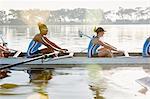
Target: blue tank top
<point x="33" y="47"/>
<point x="146" y="47"/>
<point x="92" y="48"/>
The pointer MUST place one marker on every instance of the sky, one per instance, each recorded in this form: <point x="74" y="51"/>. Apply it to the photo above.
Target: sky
<point x="71" y="4"/>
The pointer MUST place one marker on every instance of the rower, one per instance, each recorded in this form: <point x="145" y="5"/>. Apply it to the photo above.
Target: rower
<point x="98" y="47"/>
<point x="41" y="39"/>
<point x="4" y="51"/>
<point x="146" y="48"/>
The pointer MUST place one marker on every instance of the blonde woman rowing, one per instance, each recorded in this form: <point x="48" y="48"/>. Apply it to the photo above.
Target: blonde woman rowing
<point x="41" y="39"/>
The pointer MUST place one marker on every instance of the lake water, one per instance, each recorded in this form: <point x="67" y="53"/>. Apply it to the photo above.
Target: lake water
<point x="75" y="83"/>
<point x="91" y="82"/>
<point x="124" y="37"/>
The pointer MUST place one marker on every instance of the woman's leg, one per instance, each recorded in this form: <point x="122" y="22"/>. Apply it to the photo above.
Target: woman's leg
<point x="46" y="50"/>
<point x="1" y="54"/>
<point x="103" y="52"/>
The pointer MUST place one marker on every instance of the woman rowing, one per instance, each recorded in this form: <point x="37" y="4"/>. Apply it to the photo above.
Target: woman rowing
<point x="98" y="47"/>
<point x="41" y="39"/>
<point x="146" y="48"/>
<point x="4" y="51"/>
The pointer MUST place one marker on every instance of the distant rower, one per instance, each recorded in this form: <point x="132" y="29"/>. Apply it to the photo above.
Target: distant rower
<point x="4" y="51"/>
<point x="98" y="47"/>
<point x="146" y="47"/>
<point x="41" y="39"/>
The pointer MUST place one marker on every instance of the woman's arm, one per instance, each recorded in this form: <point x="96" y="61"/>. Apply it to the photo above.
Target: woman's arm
<point x="45" y="41"/>
<point x="3" y="49"/>
<point x="110" y="45"/>
<point x="106" y="45"/>
<point x="50" y="43"/>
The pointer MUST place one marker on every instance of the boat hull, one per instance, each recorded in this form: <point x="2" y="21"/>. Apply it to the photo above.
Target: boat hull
<point x="107" y="63"/>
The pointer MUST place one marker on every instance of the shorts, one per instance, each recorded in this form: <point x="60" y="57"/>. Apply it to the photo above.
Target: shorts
<point x="35" y="54"/>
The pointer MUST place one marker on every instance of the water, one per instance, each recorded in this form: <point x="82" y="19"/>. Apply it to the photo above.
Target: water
<point x="125" y="37"/>
<point x="76" y="83"/>
<point x="92" y="82"/>
<point x="64" y="84"/>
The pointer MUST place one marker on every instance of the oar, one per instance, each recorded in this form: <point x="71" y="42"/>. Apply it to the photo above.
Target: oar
<point x="28" y="60"/>
<point x="81" y="34"/>
<point x="83" y="50"/>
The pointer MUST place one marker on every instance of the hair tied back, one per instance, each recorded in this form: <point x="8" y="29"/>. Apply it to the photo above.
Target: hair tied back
<point x="95" y="29"/>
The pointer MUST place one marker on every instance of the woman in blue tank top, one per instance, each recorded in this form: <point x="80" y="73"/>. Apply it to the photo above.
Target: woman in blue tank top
<point x="146" y="48"/>
<point x="41" y="39"/>
<point x="96" y="42"/>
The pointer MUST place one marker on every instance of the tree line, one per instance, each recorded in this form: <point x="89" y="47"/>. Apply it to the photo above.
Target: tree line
<point x="80" y="16"/>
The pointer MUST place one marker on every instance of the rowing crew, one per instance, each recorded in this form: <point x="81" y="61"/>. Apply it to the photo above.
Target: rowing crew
<point x="96" y="46"/>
